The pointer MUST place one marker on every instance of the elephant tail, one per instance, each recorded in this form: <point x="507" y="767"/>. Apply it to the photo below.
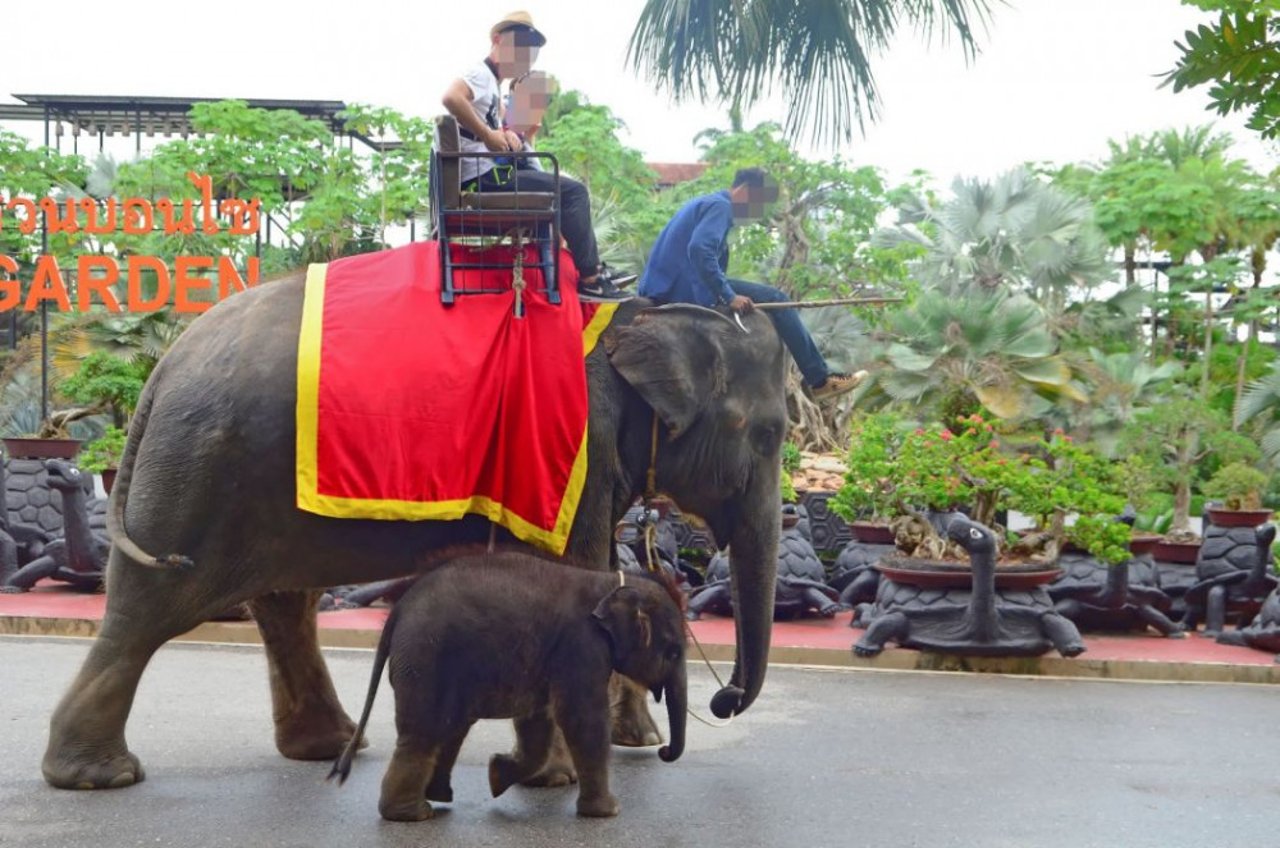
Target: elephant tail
<point x="120" y="491"/>
<point x="342" y="766"/>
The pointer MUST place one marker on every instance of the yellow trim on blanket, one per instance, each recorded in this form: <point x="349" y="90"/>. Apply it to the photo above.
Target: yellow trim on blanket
<point x="310" y="500"/>
<point x="308" y="412"/>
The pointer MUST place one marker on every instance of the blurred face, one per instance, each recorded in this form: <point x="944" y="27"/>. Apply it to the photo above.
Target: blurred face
<point x="534" y="91"/>
<point x="750" y="203"/>
<point x="514" y="52"/>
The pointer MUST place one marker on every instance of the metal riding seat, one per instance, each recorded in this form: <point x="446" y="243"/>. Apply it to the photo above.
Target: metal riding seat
<point x="470" y="216"/>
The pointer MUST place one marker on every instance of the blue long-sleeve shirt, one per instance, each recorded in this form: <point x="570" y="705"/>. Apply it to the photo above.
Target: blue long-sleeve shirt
<point x="689" y="260"/>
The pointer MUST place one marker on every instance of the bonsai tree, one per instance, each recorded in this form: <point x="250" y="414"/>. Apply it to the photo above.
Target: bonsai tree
<point x="1071" y="481"/>
<point x="107" y="383"/>
<point x="870" y="488"/>
<point x="1238" y="485"/>
<point x="103" y="452"/>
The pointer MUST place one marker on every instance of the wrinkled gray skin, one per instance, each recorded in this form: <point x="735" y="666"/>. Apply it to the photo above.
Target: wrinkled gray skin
<point x="208" y="474"/>
<point x="509" y="635"/>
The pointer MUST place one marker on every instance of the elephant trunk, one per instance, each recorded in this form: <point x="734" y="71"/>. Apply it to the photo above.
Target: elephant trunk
<point x="753" y="562"/>
<point x="677" y="694"/>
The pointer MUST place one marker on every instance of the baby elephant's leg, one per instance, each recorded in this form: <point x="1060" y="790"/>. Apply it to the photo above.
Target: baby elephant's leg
<point x="440" y="788"/>
<point x="584" y="718"/>
<point x="405" y="783"/>
<point x="534" y="732"/>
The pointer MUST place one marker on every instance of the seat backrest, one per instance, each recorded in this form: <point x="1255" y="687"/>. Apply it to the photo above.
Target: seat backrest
<point x="447" y="142"/>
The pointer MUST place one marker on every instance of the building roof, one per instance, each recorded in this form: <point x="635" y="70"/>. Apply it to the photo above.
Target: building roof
<point x="674" y="173"/>
<point x="127" y="115"/>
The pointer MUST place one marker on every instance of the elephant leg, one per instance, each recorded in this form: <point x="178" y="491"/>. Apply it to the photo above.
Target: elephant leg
<point x="145" y="608"/>
<point x="310" y="722"/>
<point x="1160" y="622"/>
<point x="26" y="577"/>
<point x="884" y="628"/>
<point x="405" y="783"/>
<point x="1063" y="634"/>
<point x="1215" y="613"/>
<point x="534" y="733"/>
<point x="81" y="581"/>
<point x="633" y="726"/>
<point x="440" y="787"/>
<point x="584" y="719"/>
<point x="558" y="770"/>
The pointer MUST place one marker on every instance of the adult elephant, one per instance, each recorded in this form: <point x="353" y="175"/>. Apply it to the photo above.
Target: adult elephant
<point x="208" y="473"/>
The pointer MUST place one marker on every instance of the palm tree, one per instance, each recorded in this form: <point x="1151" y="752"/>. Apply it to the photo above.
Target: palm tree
<point x="819" y="52"/>
<point x="990" y="347"/>
<point x="1260" y="402"/>
<point x="1014" y="231"/>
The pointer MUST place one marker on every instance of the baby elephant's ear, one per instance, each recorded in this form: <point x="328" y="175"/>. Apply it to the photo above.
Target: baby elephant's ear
<point x="620" y="615"/>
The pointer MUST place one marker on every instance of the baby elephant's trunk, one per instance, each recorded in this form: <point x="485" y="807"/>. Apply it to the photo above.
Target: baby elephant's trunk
<point x="677" y="695"/>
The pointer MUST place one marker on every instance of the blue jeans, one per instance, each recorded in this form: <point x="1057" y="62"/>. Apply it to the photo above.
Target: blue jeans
<point x="794" y="334"/>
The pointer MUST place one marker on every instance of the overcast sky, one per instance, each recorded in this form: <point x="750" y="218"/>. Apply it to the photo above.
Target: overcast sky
<point x="1055" y="78"/>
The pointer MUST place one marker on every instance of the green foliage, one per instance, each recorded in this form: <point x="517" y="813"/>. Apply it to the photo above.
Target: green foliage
<point x="870" y="485"/>
<point x="104" y="452"/>
<point x="107" y="381"/>
<point x="816" y="240"/>
<point x="1238" y="56"/>
<point x="1238" y="485"/>
<point x="790" y="458"/>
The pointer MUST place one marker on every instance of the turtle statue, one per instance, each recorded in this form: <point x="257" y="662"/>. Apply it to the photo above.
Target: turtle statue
<point x="629" y="561"/>
<point x="364" y="594"/>
<point x="630" y="534"/>
<point x="1263" y="633"/>
<point x="800" y="587"/>
<point x="854" y="574"/>
<point x="977" y="619"/>
<point x="1235" y="590"/>
<point x="80" y="556"/>
<point x="1117" y="597"/>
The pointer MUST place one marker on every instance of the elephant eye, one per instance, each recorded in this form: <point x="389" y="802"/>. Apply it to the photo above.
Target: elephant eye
<point x="673" y="654"/>
<point x="767" y="438"/>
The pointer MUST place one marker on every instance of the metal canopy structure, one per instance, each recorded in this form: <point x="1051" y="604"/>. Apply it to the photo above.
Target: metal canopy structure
<point x="108" y="115"/>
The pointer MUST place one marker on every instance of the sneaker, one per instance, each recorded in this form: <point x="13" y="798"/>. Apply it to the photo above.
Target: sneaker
<point x="838" y="384"/>
<point x="619" y="279"/>
<point x="600" y="290"/>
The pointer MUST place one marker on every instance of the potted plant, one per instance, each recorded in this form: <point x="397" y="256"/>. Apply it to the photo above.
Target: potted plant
<point x="867" y="500"/>
<point x="1074" y="496"/>
<point x="102" y="455"/>
<point x="52" y="440"/>
<point x="1239" y="486"/>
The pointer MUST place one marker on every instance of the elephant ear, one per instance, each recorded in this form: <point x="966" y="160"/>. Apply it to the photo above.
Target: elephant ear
<point x="673" y="361"/>
<point x="620" y="615"/>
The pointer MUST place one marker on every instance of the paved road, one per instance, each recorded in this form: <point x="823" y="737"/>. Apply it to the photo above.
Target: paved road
<point x="826" y="758"/>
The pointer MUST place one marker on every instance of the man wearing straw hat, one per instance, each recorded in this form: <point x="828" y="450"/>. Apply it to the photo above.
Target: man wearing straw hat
<point x="475" y="100"/>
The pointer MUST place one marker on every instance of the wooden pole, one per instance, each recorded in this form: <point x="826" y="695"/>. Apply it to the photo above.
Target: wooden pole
<point x="837" y="301"/>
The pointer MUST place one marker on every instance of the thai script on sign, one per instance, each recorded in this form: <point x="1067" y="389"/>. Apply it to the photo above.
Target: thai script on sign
<point x="99" y="274"/>
<point x="136" y="215"/>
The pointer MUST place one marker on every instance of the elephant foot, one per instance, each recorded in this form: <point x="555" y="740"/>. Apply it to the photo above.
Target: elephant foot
<point x="551" y="776"/>
<point x="1072" y="650"/>
<point x="11" y="590"/>
<point x="632" y="726"/>
<point x="829" y="611"/>
<point x="413" y="811"/>
<point x="440" y="789"/>
<point x="1175" y="634"/>
<point x="599" y="807"/>
<point x="110" y="772"/>
<point x="316" y="739"/>
<point x="690" y="615"/>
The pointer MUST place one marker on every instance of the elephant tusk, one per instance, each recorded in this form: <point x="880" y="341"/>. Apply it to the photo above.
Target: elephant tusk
<point x="738" y="318"/>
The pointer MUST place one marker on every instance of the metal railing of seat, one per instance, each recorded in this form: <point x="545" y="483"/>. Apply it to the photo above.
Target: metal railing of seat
<point x="477" y="218"/>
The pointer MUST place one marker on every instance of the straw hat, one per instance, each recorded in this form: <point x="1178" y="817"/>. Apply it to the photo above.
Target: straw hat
<point x="519" y="19"/>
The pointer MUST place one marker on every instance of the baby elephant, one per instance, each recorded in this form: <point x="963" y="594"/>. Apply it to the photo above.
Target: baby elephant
<point x="509" y="635"/>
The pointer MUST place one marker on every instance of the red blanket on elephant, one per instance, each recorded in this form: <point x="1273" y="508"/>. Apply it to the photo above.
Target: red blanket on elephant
<point x="408" y="409"/>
